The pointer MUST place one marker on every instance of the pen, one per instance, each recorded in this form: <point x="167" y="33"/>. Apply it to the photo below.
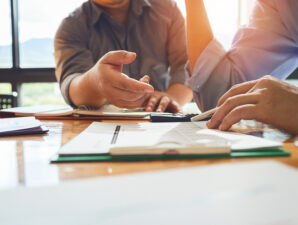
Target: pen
<point x="204" y="115"/>
<point x="115" y="135"/>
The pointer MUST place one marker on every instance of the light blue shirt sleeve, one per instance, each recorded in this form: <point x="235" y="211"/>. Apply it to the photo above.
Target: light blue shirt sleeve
<point x="267" y="45"/>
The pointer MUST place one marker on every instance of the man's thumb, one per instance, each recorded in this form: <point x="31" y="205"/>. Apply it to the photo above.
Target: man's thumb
<point x="118" y="57"/>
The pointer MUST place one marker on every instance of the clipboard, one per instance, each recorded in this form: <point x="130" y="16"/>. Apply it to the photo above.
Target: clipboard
<point x="98" y="143"/>
<point x="278" y="152"/>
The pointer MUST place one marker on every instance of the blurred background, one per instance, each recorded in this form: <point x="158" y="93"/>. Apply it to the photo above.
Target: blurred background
<point x="26" y="42"/>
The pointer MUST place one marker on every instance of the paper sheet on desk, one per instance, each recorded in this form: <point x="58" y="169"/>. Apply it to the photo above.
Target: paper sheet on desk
<point x="96" y="139"/>
<point x="258" y="193"/>
<point x="21" y="126"/>
<point x="12" y="124"/>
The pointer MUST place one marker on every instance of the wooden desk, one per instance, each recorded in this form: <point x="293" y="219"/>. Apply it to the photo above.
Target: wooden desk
<point x="24" y="160"/>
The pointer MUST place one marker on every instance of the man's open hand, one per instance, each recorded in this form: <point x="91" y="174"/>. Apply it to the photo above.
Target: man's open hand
<point x="115" y="86"/>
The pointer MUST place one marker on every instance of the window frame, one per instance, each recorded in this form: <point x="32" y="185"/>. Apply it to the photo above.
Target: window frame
<point x="16" y="75"/>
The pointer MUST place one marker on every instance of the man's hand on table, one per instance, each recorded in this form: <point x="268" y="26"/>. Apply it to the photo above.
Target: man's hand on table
<point x="267" y="100"/>
<point x="161" y="101"/>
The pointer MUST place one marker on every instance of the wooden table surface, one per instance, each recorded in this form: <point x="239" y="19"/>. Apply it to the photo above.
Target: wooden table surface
<point x="24" y="160"/>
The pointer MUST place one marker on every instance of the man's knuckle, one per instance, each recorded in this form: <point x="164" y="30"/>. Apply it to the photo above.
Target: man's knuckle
<point x="234" y="87"/>
<point x="265" y="81"/>
<point x="165" y="99"/>
<point x="227" y="120"/>
<point x="215" y="120"/>
<point x="261" y="93"/>
<point x="153" y="100"/>
<point x="268" y="77"/>
<point x="109" y="54"/>
<point x="228" y="101"/>
<point x="125" y="85"/>
<point x="121" y="53"/>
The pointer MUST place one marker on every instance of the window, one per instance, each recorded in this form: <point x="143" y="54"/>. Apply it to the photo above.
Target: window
<point x="5" y="37"/>
<point x="225" y="18"/>
<point x="5" y="88"/>
<point x="38" y="23"/>
<point x="245" y="9"/>
<point x="41" y="94"/>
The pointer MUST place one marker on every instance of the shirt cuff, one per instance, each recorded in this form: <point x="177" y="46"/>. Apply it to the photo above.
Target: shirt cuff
<point x="65" y="88"/>
<point x="206" y="63"/>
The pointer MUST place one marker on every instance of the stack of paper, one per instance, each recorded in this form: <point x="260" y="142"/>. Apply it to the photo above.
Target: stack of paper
<point x="21" y="125"/>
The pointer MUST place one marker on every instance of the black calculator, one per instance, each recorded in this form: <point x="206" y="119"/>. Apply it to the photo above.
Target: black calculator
<point x="172" y="117"/>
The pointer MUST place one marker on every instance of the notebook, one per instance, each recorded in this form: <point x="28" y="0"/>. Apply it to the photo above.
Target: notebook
<point x="66" y="112"/>
<point x="141" y="141"/>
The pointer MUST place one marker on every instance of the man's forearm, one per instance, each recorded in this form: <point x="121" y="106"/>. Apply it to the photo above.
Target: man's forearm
<point x="180" y="93"/>
<point x="83" y="92"/>
<point x="199" y="32"/>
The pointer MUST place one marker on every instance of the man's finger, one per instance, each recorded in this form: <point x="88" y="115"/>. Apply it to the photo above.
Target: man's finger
<point x="118" y="57"/>
<point x="236" y="90"/>
<point x="243" y="112"/>
<point x="174" y="107"/>
<point x="163" y="104"/>
<point x="152" y="103"/>
<point x="229" y="105"/>
<point x="128" y="84"/>
<point x="128" y="104"/>
<point x="124" y="95"/>
<point x="145" y="79"/>
<point x="122" y="81"/>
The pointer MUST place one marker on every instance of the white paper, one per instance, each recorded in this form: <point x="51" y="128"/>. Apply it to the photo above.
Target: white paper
<point x="96" y="139"/>
<point x="241" y="193"/>
<point x="18" y="123"/>
<point x="32" y="110"/>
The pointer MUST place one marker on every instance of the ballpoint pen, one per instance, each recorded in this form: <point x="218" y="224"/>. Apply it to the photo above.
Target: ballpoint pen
<point x="204" y="115"/>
